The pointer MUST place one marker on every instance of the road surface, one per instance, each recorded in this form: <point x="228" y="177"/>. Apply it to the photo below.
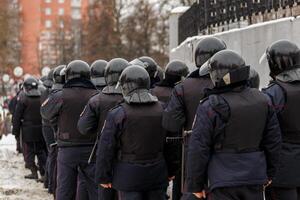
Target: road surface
<point x="13" y="186"/>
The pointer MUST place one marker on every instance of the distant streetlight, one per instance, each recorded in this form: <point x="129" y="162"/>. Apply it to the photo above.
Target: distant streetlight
<point x="45" y="71"/>
<point x="18" y="71"/>
<point x="5" y="78"/>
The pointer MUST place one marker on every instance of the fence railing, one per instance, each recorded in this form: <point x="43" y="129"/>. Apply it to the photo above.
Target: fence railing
<point x="207" y="13"/>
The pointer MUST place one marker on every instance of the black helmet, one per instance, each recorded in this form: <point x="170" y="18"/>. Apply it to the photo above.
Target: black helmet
<point x="283" y="55"/>
<point x="31" y="86"/>
<point x="205" y="49"/>
<point x="254" y="79"/>
<point x="43" y="78"/>
<point x="57" y="78"/>
<point x="48" y="81"/>
<point x="227" y="67"/>
<point x="150" y="65"/>
<point x="77" y="69"/>
<point x="114" y="69"/>
<point x="176" y="70"/>
<point x="135" y="84"/>
<point x="97" y="72"/>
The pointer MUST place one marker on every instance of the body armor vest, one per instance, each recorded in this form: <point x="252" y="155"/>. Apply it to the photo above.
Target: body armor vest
<point x="288" y="118"/>
<point x="162" y="93"/>
<point x="107" y="102"/>
<point x="143" y="137"/>
<point x="246" y="124"/>
<point x="32" y="115"/>
<point x="74" y="101"/>
<point x="193" y="92"/>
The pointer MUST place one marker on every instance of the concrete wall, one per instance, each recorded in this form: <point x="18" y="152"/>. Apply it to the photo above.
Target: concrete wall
<point x="173" y="24"/>
<point x="251" y="42"/>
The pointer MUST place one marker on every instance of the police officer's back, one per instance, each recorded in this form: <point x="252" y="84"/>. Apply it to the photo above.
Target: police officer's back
<point x="284" y="90"/>
<point x="134" y="138"/>
<point x="181" y="109"/>
<point x="92" y="119"/>
<point x="235" y="140"/>
<point x="64" y="108"/>
<point x="27" y="124"/>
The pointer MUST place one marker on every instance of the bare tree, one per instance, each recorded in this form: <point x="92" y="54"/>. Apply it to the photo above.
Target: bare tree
<point x="9" y="36"/>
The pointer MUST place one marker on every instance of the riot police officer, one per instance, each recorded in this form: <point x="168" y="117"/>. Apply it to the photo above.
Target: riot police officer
<point x="131" y="150"/>
<point x="175" y="72"/>
<point x="12" y="107"/>
<point x="27" y="124"/>
<point x="58" y="82"/>
<point x="64" y="108"/>
<point x="284" y="90"/>
<point x="152" y="68"/>
<point x="180" y="112"/>
<point x="47" y="130"/>
<point x="58" y="78"/>
<point x="92" y="119"/>
<point x="235" y="131"/>
<point x="254" y="79"/>
<point x="97" y="74"/>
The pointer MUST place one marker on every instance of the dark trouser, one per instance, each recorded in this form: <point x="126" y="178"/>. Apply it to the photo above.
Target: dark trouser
<point x="69" y="161"/>
<point x="32" y="149"/>
<point x="48" y="135"/>
<point x="148" y="195"/>
<point x="82" y="192"/>
<point x="277" y="193"/>
<point x="107" y="194"/>
<point x="52" y="159"/>
<point x="176" y="191"/>
<point x="254" y="192"/>
<point x="19" y="148"/>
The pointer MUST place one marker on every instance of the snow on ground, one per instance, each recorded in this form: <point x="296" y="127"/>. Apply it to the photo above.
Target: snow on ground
<point x="13" y="186"/>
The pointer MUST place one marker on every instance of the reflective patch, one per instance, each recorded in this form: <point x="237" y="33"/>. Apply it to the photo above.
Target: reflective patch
<point x="226" y="79"/>
<point x="83" y="111"/>
<point x="45" y="102"/>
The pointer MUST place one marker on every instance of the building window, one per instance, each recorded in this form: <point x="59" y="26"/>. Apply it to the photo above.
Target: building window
<point x="61" y="24"/>
<point x="48" y="24"/>
<point x="48" y="1"/>
<point x="61" y="1"/>
<point x="61" y="11"/>
<point x="48" y="11"/>
<point x="76" y="14"/>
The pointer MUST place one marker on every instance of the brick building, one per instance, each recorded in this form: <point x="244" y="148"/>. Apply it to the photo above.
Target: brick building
<point x="44" y="23"/>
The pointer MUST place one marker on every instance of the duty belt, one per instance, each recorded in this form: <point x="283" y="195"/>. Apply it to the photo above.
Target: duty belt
<point x="179" y="139"/>
<point x="135" y="158"/>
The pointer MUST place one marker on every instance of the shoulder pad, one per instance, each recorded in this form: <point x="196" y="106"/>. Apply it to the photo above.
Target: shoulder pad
<point x="270" y="85"/>
<point x="203" y="100"/>
<point x="214" y="100"/>
<point x="54" y="91"/>
<point x="117" y="106"/>
<point x="95" y="94"/>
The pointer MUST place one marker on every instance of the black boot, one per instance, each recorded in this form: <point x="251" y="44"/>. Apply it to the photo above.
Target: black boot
<point x="33" y="175"/>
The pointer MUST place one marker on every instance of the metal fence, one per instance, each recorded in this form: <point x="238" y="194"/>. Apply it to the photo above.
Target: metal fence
<point x="207" y="13"/>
